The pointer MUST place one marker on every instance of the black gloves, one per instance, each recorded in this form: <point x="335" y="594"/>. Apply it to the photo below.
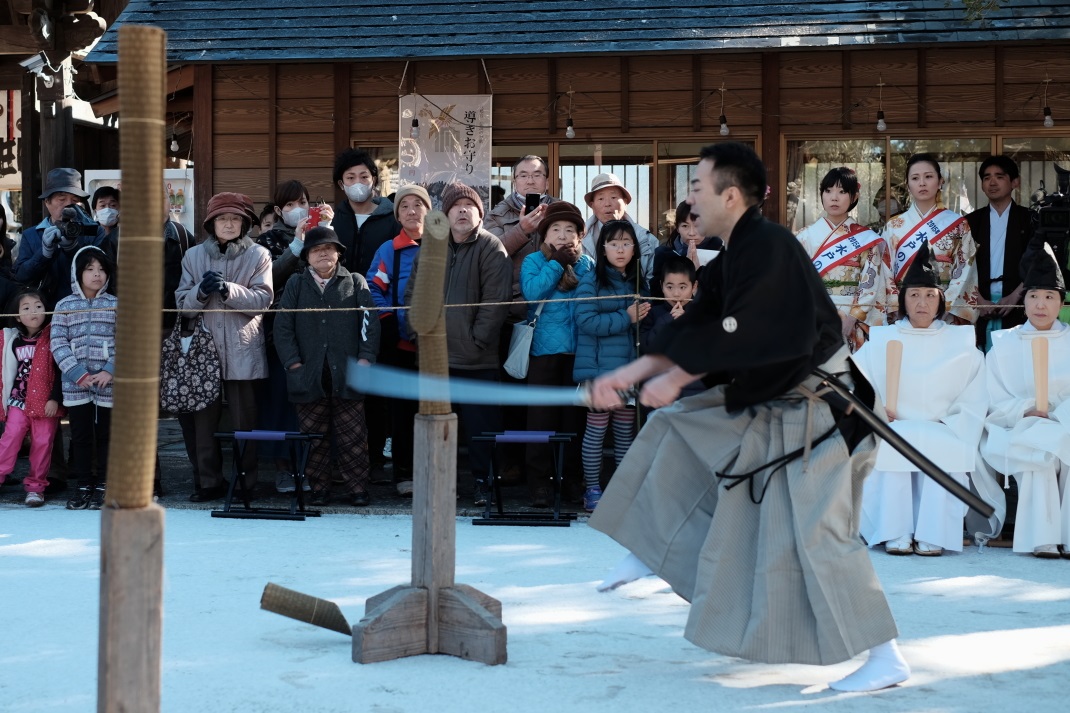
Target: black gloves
<point x="212" y="282"/>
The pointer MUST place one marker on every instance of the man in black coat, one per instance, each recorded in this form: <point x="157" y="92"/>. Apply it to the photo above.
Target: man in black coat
<point x="363" y="221"/>
<point x="1001" y="231"/>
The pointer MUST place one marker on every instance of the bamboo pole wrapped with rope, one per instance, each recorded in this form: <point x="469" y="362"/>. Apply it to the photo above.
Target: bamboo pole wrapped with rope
<point x="131" y="566"/>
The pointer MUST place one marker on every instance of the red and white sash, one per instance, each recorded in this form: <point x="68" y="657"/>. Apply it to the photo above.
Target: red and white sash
<point x="836" y="251"/>
<point x="930" y="229"/>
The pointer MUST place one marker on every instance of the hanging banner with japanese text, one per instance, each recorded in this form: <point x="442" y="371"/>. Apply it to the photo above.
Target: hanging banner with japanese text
<point x="451" y="142"/>
<point x="10" y="131"/>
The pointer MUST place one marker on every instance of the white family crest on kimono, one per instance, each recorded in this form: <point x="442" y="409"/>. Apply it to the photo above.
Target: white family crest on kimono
<point x="953" y="248"/>
<point x="1035" y="450"/>
<point x="940" y="410"/>
<point x="855" y="267"/>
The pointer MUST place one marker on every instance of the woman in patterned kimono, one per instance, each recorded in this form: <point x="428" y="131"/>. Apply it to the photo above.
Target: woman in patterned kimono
<point x="852" y="260"/>
<point x="947" y="233"/>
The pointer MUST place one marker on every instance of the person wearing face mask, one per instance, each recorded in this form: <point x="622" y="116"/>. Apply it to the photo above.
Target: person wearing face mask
<point x="363" y="220"/>
<point x="284" y="239"/>
<point x="105" y="204"/>
<point x="45" y="256"/>
<point x="608" y="200"/>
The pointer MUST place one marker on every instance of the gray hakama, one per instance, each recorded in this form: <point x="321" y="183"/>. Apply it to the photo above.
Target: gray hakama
<point x="786" y="580"/>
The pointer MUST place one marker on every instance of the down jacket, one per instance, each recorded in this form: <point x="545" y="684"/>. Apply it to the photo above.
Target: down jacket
<point x="555" y="332"/>
<point x="605" y="336"/>
<point x="478" y="270"/>
<point x="334" y="337"/>
<point x="83" y="341"/>
<point x="238" y="332"/>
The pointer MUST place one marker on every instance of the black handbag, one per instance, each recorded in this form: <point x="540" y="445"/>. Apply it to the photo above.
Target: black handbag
<point x="190" y="375"/>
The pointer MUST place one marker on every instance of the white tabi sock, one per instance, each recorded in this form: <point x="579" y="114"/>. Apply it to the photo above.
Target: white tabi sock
<point x="885" y="667"/>
<point x="627" y="570"/>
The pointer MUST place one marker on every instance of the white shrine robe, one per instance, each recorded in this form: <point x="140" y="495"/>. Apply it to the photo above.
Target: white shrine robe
<point x="941" y="411"/>
<point x="1034" y="450"/>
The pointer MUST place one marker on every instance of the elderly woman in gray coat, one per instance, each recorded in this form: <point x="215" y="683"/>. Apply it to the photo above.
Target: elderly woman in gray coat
<point x="315" y="348"/>
<point x="227" y="280"/>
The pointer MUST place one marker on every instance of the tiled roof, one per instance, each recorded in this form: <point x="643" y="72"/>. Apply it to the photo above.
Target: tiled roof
<point x="284" y="30"/>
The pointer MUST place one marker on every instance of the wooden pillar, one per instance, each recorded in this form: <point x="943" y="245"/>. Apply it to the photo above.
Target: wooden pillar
<point x="343" y="108"/>
<point x="57" y="119"/>
<point x="131" y="562"/>
<point x="774" y="205"/>
<point x="203" y="143"/>
<point x="432" y="614"/>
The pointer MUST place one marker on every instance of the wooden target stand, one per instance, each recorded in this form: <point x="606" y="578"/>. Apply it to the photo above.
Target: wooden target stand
<point x="432" y="614"/>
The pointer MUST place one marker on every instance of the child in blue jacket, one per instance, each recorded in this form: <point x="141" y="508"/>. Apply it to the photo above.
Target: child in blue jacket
<point x="553" y="273"/>
<point x="606" y="339"/>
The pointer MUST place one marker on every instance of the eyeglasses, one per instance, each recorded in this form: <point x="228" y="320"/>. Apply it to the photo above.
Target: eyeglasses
<point x="527" y="176"/>
<point x="620" y="245"/>
<point x="228" y="219"/>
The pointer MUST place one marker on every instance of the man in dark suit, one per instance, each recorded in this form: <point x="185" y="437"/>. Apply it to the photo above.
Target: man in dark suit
<point x="1001" y="231"/>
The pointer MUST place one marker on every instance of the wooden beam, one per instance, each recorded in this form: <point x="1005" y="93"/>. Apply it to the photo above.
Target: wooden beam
<point x="16" y="39"/>
<point x="203" y="142"/>
<point x="11" y="75"/>
<point x="923" y="58"/>
<point x="1001" y="58"/>
<point x="845" y="83"/>
<point x="273" y="128"/>
<point x="625" y="86"/>
<point x="178" y="79"/>
<point x="696" y="92"/>
<point x="343" y="108"/>
<point x="771" y="133"/>
<point x="551" y="95"/>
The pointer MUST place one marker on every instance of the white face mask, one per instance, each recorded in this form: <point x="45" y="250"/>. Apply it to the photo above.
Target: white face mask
<point x="107" y="217"/>
<point x="358" y="192"/>
<point x="294" y="216"/>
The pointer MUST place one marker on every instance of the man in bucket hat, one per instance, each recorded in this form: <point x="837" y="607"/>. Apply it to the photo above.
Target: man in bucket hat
<point x="46" y="253"/>
<point x="608" y="200"/>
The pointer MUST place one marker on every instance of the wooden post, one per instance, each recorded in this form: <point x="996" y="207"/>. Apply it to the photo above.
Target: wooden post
<point x="131" y="564"/>
<point x="432" y="614"/>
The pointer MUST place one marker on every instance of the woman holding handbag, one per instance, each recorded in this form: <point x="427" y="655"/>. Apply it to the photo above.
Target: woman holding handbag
<point x="552" y="274"/>
<point x="227" y="280"/>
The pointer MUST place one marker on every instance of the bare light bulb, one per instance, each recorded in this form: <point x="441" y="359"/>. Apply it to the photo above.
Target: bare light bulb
<point x="724" y="125"/>
<point x="881" y="124"/>
<point x="174" y="144"/>
<point x="570" y="130"/>
<point x="1048" y="121"/>
<point x="414" y="132"/>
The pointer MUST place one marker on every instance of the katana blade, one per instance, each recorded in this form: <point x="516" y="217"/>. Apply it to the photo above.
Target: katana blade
<point x="912" y="454"/>
<point x="379" y="380"/>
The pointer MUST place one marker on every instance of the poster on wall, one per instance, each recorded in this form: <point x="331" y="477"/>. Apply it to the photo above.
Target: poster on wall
<point x="10" y="132"/>
<point x="177" y="188"/>
<point x="451" y="142"/>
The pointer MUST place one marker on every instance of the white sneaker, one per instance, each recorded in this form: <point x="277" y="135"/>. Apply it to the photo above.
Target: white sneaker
<point x="34" y="500"/>
<point x="405" y="488"/>
<point x="388" y="448"/>
<point x="284" y="482"/>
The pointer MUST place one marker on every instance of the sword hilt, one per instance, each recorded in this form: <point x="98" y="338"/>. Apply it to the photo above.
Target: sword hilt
<point x="585" y="399"/>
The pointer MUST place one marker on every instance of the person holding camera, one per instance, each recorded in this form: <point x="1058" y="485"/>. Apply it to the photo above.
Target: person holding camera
<point x="47" y="249"/>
